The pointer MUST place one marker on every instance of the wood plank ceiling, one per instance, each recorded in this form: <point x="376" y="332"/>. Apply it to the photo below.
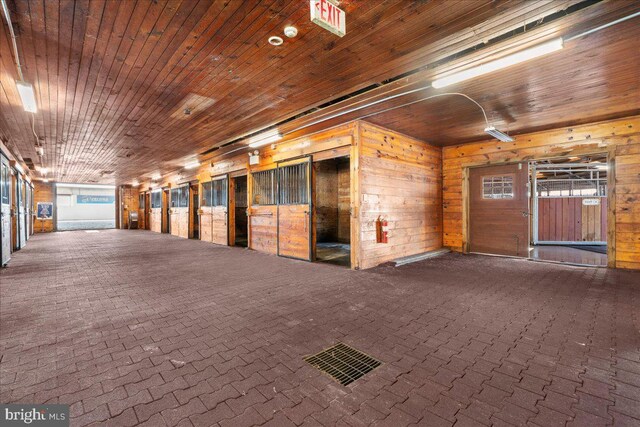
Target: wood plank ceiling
<point x="112" y="79"/>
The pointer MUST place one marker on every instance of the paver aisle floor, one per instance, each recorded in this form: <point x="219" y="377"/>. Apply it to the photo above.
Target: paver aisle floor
<point x="133" y="327"/>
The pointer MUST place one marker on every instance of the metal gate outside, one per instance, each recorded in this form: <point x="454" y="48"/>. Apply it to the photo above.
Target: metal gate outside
<point x="569" y="203"/>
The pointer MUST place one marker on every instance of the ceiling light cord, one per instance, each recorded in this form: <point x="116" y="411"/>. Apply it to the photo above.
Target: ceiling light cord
<point x="426" y="98"/>
<point x="7" y="17"/>
<point x="438" y="95"/>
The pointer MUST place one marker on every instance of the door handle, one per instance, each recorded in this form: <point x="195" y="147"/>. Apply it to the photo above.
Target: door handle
<point x="525" y="214"/>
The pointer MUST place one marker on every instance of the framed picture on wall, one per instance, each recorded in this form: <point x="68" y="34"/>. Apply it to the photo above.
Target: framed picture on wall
<point x="45" y="210"/>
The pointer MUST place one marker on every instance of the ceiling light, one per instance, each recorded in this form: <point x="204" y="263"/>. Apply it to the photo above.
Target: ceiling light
<point x="155" y="176"/>
<point x="192" y="164"/>
<point x="275" y="40"/>
<point x="45" y="180"/>
<point x="515" y="58"/>
<point x="290" y="31"/>
<point x="40" y="150"/>
<point x="265" y="138"/>
<point x="43" y="171"/>
<point x="491" y="130"/>
<point x="28" y="96"/>
<point x="135" y="184"/>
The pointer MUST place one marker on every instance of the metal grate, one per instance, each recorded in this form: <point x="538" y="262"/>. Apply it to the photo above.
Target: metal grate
<point x="343" y="363"/>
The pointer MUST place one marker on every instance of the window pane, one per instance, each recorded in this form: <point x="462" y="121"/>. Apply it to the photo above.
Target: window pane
<point x="497" y="187"/>
<point x="293" y="184"/>
<point x="184" y="196"/>
<point x="206" y="194"/>
<point x="219" y="192"/>
<point x="263" y="187"/>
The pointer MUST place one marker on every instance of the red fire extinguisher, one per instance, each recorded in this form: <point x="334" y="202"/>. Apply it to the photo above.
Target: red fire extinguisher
<point x="382" y="233"/>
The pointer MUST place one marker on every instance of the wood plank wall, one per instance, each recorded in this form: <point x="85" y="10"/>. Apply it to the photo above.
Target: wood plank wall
<point x="43" y="192"/>
<point x="400" y="181"/>
<point x="566" y="219"/>
<point x="326" y="201"/>
<point x="619" y="138"/>
<point x="155" y="218"/>
<point x="128" y="203"/>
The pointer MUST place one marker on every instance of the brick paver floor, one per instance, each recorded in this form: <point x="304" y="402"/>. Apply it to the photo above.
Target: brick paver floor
<point x="133" y="327"/>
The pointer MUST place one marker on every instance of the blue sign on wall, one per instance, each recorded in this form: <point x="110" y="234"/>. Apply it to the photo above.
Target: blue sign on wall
<point x="82" y="199"/>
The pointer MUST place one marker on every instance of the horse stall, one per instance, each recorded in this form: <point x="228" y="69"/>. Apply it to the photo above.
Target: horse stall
<point x="142" y="210"/>
<point x="179" y="212"/>
<point x="238" y="202"/>
<point x="155" y="216"/>
<point x="332" y="185"/>
<point x="214" y="210"/>
<point x="356" y="195"/>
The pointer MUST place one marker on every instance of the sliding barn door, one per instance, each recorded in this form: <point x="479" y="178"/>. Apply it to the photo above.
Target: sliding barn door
<point x="295" y="234"/>
<point x="499" y="210"/>
<point x="219" y="210"/>
<point x="5" y="210"/>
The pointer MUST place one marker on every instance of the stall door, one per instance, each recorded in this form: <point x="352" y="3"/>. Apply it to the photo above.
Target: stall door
<point x="295" y="233"/>
<point x="29" y="213"/>
<point x="5" y="211"/>
<point x="219" y="210"/>
<point x="22" y="240"/>
<point x="499" y="210"/>
<point x="262" y="211"/>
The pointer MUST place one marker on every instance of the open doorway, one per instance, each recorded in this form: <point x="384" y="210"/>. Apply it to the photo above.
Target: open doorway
<point x="194" y="208"/>
<point x="569" y="207"/>
<point x="332" y="217"/>
<point x="238" y="222"/>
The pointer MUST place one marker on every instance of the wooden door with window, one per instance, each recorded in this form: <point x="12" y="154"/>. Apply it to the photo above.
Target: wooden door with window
<point x="499" y="210"/>
<point x="262" y="211"/>
<point x="5" y="211"/>
<point x="295" y="207"/>
<point x="219" y="210"/>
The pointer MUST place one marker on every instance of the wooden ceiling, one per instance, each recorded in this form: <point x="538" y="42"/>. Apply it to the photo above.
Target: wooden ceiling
<point x="112" y="79"/>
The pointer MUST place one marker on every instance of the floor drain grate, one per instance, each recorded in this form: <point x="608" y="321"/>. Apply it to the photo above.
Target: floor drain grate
<point x="343" y="363"/>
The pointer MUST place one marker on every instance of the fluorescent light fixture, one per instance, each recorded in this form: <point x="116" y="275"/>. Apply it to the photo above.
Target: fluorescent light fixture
<point x="498" y="135"/>
<point x="104" y="186"/>
<point x="156" y="190"/>
<point x="28" y="96"/>
<point x="156" y="176"/>
<point x="43" y="171"/>
<point x="135" y="184"/>
<point x="192" y="164"/>
<point x="498" y="64"/>
<point x="265" y="138"/>
<point x="45" y="180"/>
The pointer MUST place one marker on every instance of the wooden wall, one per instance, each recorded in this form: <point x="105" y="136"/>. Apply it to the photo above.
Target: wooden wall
<point x="566" y="219"/>
<point x="619" y="138"/>
<point x="155" y="218"/>
<point x="400" y="181"/>
<point x="128" y="203"/>
<point x="326" y="201"/>
<point x="43" y="192"/>
<point x="179" y="218"/>
<point x="344" y="202"/>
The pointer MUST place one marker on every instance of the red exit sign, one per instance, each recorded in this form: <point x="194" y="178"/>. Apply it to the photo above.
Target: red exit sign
<point x="329" y="16"/>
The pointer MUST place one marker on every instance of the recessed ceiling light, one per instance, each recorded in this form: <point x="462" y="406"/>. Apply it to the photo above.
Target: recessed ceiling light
<point x="290" y="31"/>
<point x="275" y="40"/>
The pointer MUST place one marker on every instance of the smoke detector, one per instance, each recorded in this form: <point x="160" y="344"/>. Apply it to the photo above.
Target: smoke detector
<point x="290" y="31"/>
